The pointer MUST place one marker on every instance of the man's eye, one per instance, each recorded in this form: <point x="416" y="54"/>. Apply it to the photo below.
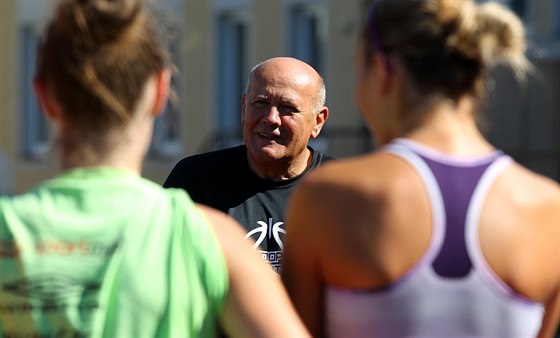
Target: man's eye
<point x="285" y="109"/>
<point x="259" y="104"/>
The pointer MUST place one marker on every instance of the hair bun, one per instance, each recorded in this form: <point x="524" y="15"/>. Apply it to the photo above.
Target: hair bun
<point x="489" y="32"/>
<point x="96" y="22"/>
<point x="461" y="15"/>
<point x="449" y="11"/>
<point x="500" y="31"/>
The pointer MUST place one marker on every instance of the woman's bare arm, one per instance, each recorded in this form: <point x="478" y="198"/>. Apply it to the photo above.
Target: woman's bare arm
<point x="551" y="319"/>
<point x="300" y="269"/>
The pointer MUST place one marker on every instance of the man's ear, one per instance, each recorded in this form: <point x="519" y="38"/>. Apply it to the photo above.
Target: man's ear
<point x="163" y="80"/>
<point x="243" y="103"/>
<point x="320" y="119"/>
<point x="46" y="99"/>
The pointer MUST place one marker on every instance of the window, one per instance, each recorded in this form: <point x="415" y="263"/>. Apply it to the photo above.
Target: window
<point x="166" y="142"/>
<point x="307" y="34"/>
<point x="231" y="73"/>
<point x="34" y="126"/>
<point x="166" y="138"/>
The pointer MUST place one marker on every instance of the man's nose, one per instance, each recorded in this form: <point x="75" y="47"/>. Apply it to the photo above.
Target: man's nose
<point x="272" y="116"/>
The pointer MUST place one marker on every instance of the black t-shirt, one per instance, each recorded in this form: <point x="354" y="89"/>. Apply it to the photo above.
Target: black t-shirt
<point x="223" y="179"/>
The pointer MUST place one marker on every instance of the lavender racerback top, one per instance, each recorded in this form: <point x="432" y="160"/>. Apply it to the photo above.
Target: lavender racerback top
<point x="451" y="291"/>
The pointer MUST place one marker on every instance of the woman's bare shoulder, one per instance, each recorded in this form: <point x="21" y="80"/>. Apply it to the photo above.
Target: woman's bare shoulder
<point x="371" y="172"/>
<point x="528" y="189"/>
<point x="364" y="187"/>
<point x="521" y="221"/>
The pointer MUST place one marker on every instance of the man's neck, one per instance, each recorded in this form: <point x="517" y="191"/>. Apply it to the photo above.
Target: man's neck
<point x="282" y="170"/>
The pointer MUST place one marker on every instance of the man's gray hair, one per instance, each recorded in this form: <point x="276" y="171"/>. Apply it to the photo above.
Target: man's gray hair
<point x="320" y="98"/>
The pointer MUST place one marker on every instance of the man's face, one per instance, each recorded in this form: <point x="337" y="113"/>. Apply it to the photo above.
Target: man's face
<point x="278" y="117"/>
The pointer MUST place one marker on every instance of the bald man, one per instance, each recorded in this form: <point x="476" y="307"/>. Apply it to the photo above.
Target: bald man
<point x="283" y="107"/>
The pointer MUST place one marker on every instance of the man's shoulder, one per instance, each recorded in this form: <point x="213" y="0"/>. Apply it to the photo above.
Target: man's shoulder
<point x="324" y="157"/>
<point x="211" y="161"/>
<point x="200" y="169"/>
<point x="211" y="157"/>
<point x="320" y="157"/>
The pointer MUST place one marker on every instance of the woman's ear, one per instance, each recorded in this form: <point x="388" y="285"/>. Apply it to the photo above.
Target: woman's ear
<point x="384" y="72"/>
<point x="163" y="80"/>
<point x="46" y="99"/>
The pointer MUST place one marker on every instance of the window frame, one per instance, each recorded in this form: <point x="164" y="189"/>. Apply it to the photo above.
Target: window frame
<point x="35" y="129"/>
<point x="296" y="12"/>
<point x="167" y="134"/>
<point x="231" y="53"/>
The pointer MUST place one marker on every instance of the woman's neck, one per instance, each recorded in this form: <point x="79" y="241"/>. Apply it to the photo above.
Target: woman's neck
<point x="123" y="148"/>
<point x="115" y="159"/>
<point x="451" y="127"/>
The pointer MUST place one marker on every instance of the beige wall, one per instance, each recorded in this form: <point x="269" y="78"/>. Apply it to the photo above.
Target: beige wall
<point x="268" y="30"/>
<point x="8" y="76"/>
<point x="345" y="20"/>
<point x="7" y="93"/>
<point x="198" y="73"/>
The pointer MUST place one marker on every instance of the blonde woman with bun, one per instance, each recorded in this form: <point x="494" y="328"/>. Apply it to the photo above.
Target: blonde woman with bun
<point x="437" y="233"/>
<point x="98" y="250"/>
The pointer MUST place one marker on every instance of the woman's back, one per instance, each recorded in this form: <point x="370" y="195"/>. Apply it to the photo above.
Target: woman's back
<point x="103" y="252"/>
<point x="420" y="266"/>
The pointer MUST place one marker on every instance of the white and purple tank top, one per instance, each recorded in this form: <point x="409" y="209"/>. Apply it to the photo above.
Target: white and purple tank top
<point x="451" y="292"/>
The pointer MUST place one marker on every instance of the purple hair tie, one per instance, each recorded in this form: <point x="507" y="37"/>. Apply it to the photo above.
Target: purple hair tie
<point x="375" y="35"/>
<point x="372" y="29"/>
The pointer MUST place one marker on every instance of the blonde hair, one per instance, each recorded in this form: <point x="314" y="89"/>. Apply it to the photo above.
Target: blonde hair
<point x="446" y="46"/>
<point x="489" y="31"/>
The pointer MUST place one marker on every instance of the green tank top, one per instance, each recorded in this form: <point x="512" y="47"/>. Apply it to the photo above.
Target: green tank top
<point x="102" y="252"/>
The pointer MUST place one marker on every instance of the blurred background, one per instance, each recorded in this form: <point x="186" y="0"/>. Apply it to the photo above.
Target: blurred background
<point x="217" y="42"/>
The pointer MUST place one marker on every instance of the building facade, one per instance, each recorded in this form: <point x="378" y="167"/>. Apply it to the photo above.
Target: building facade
<point x="216" y="44"/>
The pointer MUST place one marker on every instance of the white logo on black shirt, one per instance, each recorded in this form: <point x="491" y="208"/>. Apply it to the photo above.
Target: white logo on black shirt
<point x="270" y="229"/>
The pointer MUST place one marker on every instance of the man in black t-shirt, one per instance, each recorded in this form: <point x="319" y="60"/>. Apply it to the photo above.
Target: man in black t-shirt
<point x="283" y="107"/>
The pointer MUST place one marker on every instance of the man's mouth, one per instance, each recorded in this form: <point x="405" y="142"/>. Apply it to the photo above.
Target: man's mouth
<point x="266" y="135"/>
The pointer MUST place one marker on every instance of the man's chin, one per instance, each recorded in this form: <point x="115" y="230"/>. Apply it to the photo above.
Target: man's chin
<point x="269" y="153"/>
